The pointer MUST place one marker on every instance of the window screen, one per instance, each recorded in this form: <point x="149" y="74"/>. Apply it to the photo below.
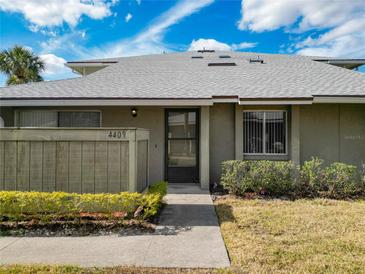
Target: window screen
<point x="40" y="118"/>
<point x="264" y="132"/>
<point x="78" y="119"/>
<point x="30" y="118"/>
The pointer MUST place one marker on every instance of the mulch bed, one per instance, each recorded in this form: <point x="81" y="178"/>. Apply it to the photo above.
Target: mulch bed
<point x="36" y="228"/>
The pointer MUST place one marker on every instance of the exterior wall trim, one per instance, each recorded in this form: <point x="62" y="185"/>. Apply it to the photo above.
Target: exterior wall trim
<point x="275" y="102"/>
<point x="204" y="147"/>
<point x="295" y="135"/>
<point x="108" y="102"/>
<point x="172" y="102"/>
<point x="336" y="100"/>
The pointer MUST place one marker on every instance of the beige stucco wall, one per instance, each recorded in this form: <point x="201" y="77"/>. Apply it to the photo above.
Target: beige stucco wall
<point x="152" y="118"/>
<point x="222" y="135"/>
<point x="330" y="131"/>
<point x="333" y="132"/>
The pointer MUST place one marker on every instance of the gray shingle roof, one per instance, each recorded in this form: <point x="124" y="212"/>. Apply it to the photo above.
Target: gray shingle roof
<point x="177" y="75"/>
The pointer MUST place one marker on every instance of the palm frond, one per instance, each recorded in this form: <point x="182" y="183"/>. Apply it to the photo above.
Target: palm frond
<point x="21" y="65"/>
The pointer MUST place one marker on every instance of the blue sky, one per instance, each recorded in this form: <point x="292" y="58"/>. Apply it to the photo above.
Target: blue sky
<point x="83" y="29"/>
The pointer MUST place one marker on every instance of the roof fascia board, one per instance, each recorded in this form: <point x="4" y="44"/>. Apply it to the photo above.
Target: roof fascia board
<point x="339" y="99"/>
<point x="108" y="102"/>
<point x="78" y="65"/>
<point x="225" y="100"/>
<point x="342" y="61"/>
<point x="274" y="102"/>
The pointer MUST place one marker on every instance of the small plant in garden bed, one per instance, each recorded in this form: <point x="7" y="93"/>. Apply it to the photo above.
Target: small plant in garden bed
<point x="75" y="228"/>
<point x="281" y="178"/>
<point x="33" y="210"/>
<point x="261" y="177"/>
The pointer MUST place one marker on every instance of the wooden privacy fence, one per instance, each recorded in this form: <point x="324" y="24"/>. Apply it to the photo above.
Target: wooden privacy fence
<point x="81" y="160"/>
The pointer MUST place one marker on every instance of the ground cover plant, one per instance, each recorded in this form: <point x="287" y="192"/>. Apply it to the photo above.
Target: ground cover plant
<point x="73" y="213"/>
<point x="283" y="178"/>
<point x="293" y="236"/>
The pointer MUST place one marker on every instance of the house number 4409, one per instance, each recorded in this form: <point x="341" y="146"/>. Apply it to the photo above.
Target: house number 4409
<point x="117" y="134"/>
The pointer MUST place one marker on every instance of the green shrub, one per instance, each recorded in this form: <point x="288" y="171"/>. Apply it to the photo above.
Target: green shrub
<point x="159" y="187"/>
<point x="276" y="178"/>
<point x="341" y="181"/>
<point x="233" y="177"/>
<point x="18" y="205"/>
<point x="273" y="178"/>
<point x="311" y="178"/>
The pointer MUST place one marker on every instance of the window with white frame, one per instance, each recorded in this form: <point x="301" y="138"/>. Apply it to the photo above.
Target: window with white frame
<point x="265" y="132"/>
<point x="46" y="118"/>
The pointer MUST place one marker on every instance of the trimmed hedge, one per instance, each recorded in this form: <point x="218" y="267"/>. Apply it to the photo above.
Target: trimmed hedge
<point x="262" y="177"/>
<point x="160" y="187"/>
<point x="283" y="178"/>
<point x="337" y="180"/>
<point x="16" y="205"/>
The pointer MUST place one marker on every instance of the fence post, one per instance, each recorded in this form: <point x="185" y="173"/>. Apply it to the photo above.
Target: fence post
<point x="133" y="162"/>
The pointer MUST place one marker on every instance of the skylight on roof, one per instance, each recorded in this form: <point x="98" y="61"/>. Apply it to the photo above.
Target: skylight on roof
<point x="206" y="50"/>
<point x="224" y="56"/>
<point x="221" y="64"/>
<point x="197" y="57"/>
<point x="256" y="60"/>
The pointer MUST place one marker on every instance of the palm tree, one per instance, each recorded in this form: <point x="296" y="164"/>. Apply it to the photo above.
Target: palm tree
<point x="21" y="66"/>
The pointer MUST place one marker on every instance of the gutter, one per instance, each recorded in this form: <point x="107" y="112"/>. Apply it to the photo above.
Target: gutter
<point x="104" y="102"/>
<point x="17" y="102"/>
<point x="339" y="99"/>
<point x="276" y="101"/>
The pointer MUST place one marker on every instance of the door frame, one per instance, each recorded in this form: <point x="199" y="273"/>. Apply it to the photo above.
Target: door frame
<point x="197" y="113"/>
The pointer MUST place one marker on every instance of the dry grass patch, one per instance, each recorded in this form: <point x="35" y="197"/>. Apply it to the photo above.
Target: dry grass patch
<point x="55" y="269"/>
<point x="302" y="236"/>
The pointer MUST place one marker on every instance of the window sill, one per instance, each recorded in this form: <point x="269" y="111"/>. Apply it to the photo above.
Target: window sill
<point x="284" y="157"/>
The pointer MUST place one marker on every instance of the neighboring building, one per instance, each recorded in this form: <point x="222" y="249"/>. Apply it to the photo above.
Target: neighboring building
<point x="206" y="107"/>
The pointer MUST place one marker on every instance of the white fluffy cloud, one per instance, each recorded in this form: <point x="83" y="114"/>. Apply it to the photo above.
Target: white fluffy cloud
<point x="128" y="17"/>
<point x="216" y="45"/>
<point x="208" y="44"/>
<point x="148" y="41"/>
<point x="56" y="12"/>
<point x="54" y="64"/>
<point x="55" y="68"/>
<point x="341" y="23"/>
<point x="262" y="15"/>
<point x="243" y="45"/>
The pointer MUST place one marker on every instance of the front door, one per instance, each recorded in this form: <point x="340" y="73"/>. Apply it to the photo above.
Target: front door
<point x="182" y="146"/>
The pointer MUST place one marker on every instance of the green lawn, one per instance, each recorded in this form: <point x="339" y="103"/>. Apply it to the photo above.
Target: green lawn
<point x="303" y="236"/>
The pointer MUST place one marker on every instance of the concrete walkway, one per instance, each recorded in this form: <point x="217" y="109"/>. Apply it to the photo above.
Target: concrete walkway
<point x="188" y="236"/>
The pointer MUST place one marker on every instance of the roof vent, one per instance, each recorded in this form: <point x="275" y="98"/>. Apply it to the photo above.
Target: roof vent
<point x="224" y="56"/>
<point x="197" y="57"/>
<point x="257" y="60"/>
<point x="221" y="64"/>
<point x="206" y="50"/>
